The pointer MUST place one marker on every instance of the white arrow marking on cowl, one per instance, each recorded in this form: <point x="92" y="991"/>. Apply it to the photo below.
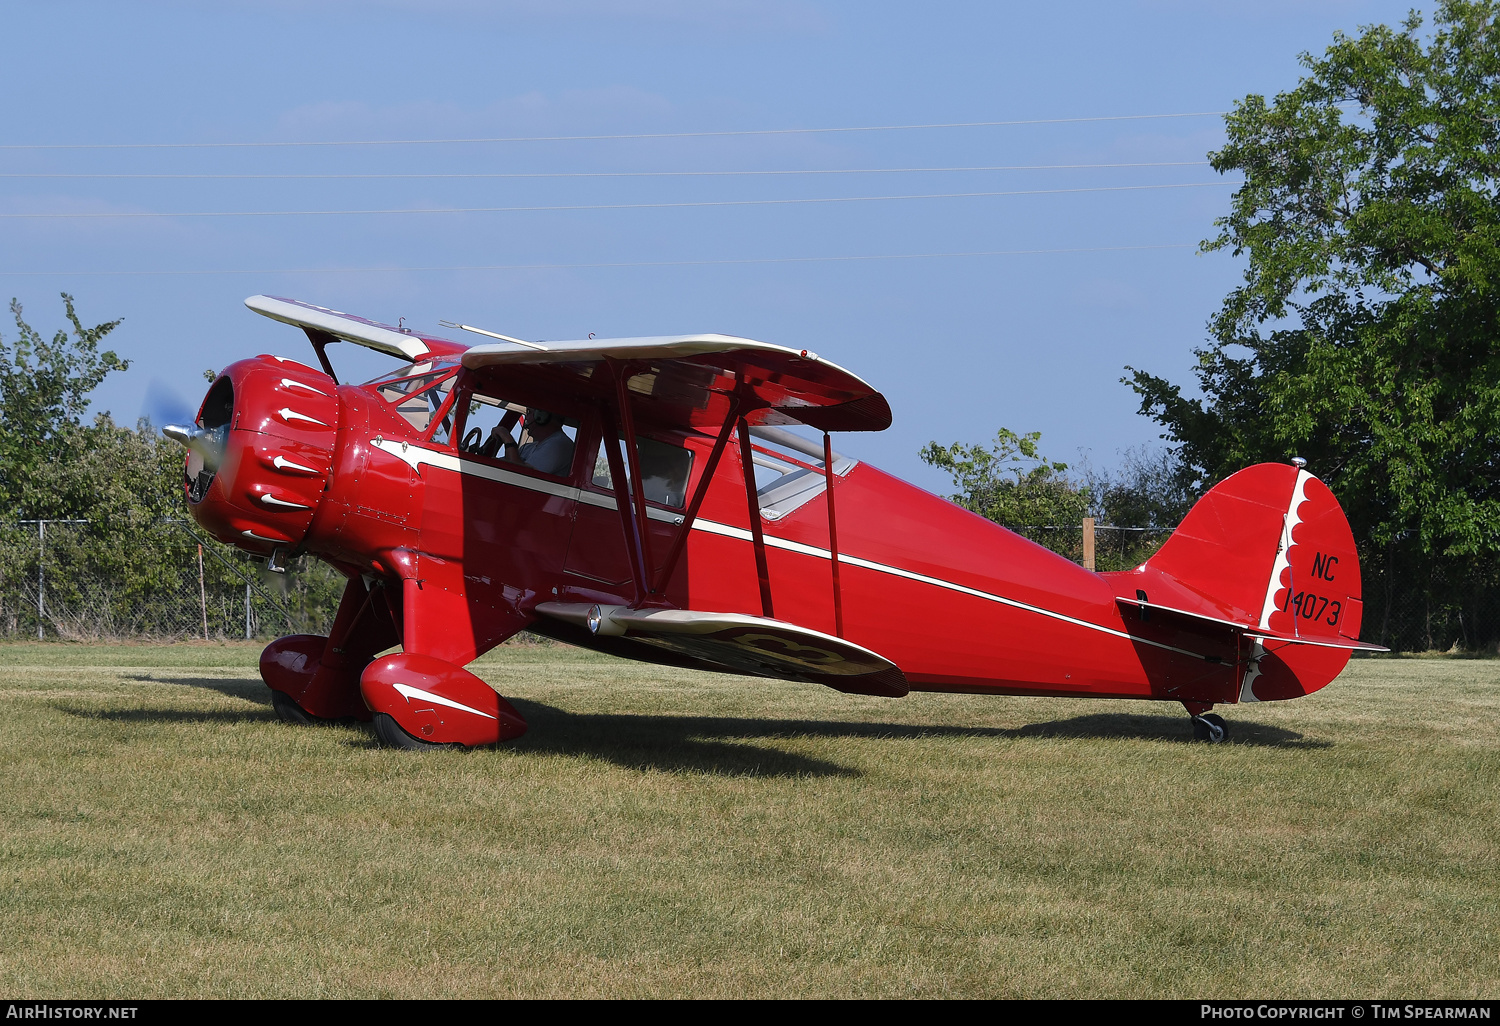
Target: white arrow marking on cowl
<point x="271" y="500"/>
<point x="289" y="383"/>
<point x="282" y="463"/>
<point x="288" y="414"/>
<point x="408" y="692"/>
<point x="261" y="537"/>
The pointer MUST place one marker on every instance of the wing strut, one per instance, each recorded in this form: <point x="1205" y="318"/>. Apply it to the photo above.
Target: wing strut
<point x="320" y="340"/>
<point x="757" y="536"/>
<point x="634" y="484"/>
<point x="630" y="495"/>
<point x="833" y="537"/>
<point x="704" y="479"/>
<point x="623" y="502"/>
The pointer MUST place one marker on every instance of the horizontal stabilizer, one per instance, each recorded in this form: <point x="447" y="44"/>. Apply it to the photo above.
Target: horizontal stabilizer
<point x="741" y="643"/>
<point x="1355" y="646"/>
<point x="1249" y="630"/>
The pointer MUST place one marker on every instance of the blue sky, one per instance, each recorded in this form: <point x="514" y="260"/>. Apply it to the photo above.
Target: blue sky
<point x="1094" y="272"/>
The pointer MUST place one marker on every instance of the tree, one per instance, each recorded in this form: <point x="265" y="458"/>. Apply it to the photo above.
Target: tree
<point x="1010" y="482"/>
<point x="44" y="389"/>
<point x="1148" y="491"/>
<point x="131" y="567"/>
<point x="1365" y="335"/>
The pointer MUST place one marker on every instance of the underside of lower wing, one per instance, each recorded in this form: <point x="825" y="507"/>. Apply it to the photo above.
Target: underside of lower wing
<point x="740" y="643"/>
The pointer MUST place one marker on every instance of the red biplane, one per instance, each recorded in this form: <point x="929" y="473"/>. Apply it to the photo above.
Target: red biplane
<point x="605" y="492"/>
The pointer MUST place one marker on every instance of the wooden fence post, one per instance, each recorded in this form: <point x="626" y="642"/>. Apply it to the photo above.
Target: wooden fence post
<point x="1088" y="543"/>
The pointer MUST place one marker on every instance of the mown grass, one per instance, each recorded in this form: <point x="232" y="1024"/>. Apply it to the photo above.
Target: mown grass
<point x="662" y="832"/>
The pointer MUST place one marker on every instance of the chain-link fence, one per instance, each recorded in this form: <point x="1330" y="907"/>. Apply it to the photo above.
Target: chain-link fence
<point x="1451" y="606"/>
<point x="1115" y="548"/>
<point x="77" y="580"/>
<point x="163" y="580"/>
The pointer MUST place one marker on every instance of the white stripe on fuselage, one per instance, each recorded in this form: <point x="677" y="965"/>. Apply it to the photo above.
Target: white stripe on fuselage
<point x="416" y="455"/>
<point x="911" y="575"/>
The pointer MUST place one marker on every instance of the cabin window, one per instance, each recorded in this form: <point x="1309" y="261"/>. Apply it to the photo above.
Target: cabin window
<point x="789" y="470"/>
<point x="664" y="467"/>
<point x="489" y="421"/>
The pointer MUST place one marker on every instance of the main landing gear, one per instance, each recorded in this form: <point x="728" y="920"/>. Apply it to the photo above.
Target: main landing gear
<point x="1210" y="728"/>
<point x="1207" y="726"/>
<point x="386" y="728"/>
<point x="392" y="736"/>
<point x="288" y="711"/>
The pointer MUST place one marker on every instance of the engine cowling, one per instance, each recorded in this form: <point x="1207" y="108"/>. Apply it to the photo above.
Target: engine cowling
<point x="269" y="426"/>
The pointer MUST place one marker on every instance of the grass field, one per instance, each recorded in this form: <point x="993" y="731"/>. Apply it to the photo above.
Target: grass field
<point x="664" y="832"/>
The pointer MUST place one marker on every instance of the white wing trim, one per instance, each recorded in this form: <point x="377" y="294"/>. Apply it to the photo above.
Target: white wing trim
<point x="340" y="325"/>
<point x="651" y="347"/>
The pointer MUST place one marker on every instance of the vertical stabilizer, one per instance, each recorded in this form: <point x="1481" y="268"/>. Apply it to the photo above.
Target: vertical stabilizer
<point x="1268" y="552"/>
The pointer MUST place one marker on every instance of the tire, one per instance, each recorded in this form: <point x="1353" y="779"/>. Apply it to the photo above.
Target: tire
<point x="1210" y="727"/>
<point x="393" y="736"/>
<point x="288" y="711"/>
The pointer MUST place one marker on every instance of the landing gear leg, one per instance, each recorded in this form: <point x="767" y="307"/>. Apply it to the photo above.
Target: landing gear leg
<point x="1211" y="728"/>
<point x="1207" y="726"/>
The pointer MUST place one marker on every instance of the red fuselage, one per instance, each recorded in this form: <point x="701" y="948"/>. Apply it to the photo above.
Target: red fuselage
<point x="470" y="545"/>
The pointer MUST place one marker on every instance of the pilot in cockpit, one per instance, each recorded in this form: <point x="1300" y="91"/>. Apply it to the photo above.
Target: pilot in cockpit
<point x="548" y="450"/>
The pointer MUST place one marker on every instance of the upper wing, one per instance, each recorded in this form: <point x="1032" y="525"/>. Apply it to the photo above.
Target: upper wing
<point x="684" y="379"/>
<point x="371" y="334"/>
<point x="689" y="378"/>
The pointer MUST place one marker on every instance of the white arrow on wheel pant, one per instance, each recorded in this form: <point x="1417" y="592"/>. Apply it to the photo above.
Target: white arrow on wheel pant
<point x="408" y="692"/>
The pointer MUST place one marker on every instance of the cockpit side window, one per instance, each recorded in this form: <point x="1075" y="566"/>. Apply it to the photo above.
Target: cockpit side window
<point x="665" y="468"/>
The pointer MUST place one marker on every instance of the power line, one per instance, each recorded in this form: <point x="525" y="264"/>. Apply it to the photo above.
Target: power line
<point x="603" y="174"/>
<point x="611" y="264"/>
<point x="609" y="206"/>
<point x="601" y="138"/>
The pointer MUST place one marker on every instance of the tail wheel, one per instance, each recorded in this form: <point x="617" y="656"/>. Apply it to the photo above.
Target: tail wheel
<point x="288" y="711"/>
<point x="393" y="736"/>
<point x="1210" y="727"/>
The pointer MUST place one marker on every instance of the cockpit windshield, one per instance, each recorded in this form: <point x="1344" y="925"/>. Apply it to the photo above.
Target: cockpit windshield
<point x="422" y="368"/>
<point x="417" y="390"/>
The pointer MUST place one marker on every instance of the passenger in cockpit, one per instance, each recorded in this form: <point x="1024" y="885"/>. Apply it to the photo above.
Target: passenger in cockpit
<point x="549" y="450"/>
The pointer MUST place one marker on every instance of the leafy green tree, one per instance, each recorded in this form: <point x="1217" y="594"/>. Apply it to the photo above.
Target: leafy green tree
<point x="1366" y="333"/>
<point x="129" y="569"/>
<point x="1148" y="490"/>
<point x="1010" y="482"/>
<point x="44" y="389"/>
